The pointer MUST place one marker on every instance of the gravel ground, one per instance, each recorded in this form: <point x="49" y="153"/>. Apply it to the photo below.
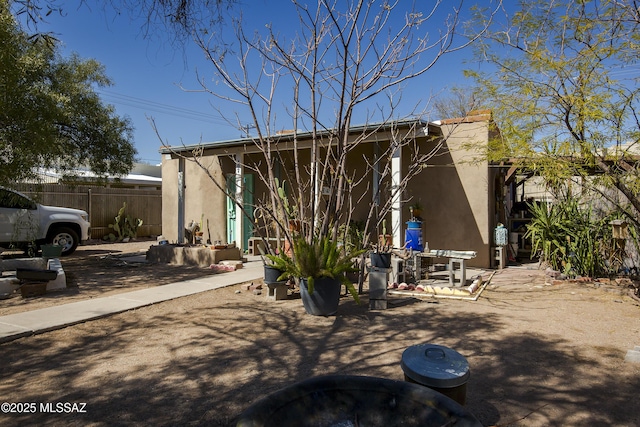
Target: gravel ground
<point x="540" y="354"/>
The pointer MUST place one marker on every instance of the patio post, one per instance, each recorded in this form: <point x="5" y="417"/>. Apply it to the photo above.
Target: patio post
<point x="239" y="196"/>
<point x="396" y="212"/>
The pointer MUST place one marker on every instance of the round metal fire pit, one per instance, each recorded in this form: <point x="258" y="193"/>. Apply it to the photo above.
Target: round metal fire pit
<point x="346" y="400"/>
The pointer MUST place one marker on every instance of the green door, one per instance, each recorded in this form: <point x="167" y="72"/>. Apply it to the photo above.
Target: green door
<point x="248" y="206"/>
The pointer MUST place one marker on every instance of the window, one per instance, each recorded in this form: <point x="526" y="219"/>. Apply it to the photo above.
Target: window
<point x="12" y="200"/>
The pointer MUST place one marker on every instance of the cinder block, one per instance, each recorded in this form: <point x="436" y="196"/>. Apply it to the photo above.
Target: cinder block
<point x="60" y="282"/>
<point x="500" y="257"/>
<point x="377" y="304"/>
<point x="277" y="291"/>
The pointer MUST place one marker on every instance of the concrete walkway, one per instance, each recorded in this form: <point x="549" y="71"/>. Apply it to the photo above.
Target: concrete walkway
<point x="19" y="325"/>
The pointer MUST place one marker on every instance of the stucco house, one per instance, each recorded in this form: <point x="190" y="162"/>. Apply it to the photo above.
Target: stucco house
<point x="462" y="195"/>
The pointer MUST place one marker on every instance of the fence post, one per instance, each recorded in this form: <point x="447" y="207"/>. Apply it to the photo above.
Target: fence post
<point x="89" y="202"/>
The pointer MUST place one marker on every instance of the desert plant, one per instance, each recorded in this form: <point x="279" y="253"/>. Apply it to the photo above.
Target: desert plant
<point x="353" y="235"/>
<point x="322" y="257"/>
<point x="384" y="245"/>
<point x="571" y="239"/>
<point x="125" y="226"/>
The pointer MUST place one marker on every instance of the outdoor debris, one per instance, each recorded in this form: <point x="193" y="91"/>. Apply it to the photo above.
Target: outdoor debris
<point x="237" y="265"/>
<point x="439" y="290"/>
<point x="471" y="292"/>
<point x="224" y="266"/>
<point x="633" y="356"/>
<point x="220" y="268"/>
<point x="250" y="286"/>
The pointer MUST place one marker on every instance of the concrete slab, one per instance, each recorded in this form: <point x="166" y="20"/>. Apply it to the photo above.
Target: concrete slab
<point x="10" y="332"/>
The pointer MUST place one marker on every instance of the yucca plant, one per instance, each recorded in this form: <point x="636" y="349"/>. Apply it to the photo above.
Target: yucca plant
<point x="322" y="257"/>
<point x="571" y="239"/>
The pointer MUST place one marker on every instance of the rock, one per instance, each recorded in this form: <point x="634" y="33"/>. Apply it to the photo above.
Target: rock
<point x="552" y="273"/>
<point x="232" y="264"/>
<point x="632" y="356"/>
<point x="623" y="281"/>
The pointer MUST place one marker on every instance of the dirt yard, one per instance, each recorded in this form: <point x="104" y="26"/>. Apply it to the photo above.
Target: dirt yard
<point x="541" y="354"/>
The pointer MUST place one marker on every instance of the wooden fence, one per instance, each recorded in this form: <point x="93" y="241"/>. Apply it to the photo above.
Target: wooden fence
<point x="102" y="204"/>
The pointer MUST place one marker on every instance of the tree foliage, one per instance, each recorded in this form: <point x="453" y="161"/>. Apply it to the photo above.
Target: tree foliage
<point x="564" y="90"/>
<point x="50" y="114"/>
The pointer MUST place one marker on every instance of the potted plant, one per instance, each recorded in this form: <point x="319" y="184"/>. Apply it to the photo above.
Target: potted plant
<point x="352" y="235"/>
<point x="320" y="267"/>
<point x="269" y="228"/>
<point x="416" y="210"/>
<point x="380" y="254"/>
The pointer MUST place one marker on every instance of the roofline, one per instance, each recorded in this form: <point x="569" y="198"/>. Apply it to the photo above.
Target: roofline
<point x="291" y="135"/>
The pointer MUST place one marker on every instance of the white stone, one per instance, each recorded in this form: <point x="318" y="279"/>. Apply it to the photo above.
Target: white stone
<point x="632" y="356"/>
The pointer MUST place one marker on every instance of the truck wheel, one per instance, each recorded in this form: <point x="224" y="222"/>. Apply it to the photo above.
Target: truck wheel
<point x="65" y="237"/>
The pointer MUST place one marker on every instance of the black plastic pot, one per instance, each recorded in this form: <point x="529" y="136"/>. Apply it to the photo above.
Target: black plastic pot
<point x="380" y="260"/>
<point x="325" y="297"/>
<point x="354" y="400"/>
<point x="36" y="275"/>
<point x="271" y="274"/>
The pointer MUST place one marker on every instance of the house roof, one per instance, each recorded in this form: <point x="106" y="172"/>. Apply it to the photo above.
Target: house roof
<point x="141" y="174"/>
<point x="472" y="117"/>
<point x="289" y="136"/>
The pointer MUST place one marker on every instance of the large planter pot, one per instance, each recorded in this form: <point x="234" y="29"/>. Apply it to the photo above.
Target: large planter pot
<point x="325" y="297"/>
<point x="347" y="400"/>
<point x="380" y="260"/>
<point x="271" y="274"/>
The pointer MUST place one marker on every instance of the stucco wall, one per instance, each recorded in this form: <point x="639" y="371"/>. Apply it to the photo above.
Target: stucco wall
<point x="456" y="194"/>
<point x="203" y="200"/>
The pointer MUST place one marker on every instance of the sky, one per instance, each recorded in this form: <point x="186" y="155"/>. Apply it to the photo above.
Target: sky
<point x="150" y="75"/>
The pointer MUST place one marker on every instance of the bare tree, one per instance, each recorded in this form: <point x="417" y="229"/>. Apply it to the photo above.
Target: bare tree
<point x="344" y="61"/>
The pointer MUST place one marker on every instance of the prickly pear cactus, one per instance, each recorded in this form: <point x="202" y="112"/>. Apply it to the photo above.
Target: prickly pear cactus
<point x="125" y="226"/>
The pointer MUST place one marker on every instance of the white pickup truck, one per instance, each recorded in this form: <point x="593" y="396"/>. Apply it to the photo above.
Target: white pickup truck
<point x="24" y="222"/>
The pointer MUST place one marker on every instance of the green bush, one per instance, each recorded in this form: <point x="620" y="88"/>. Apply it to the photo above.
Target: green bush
<point x="571" y="239"/>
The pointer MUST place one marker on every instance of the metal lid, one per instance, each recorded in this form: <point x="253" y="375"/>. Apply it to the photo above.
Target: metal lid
<point x="435" y="366"/>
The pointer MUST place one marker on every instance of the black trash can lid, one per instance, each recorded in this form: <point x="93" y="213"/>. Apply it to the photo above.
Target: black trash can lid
<point x="434" y="365"/>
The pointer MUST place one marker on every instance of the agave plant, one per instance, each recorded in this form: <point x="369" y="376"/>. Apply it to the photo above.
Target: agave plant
<point x="322" y="257"/>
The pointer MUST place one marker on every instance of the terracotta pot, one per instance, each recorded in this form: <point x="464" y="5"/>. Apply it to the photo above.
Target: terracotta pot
<point x="385" y="239"/>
